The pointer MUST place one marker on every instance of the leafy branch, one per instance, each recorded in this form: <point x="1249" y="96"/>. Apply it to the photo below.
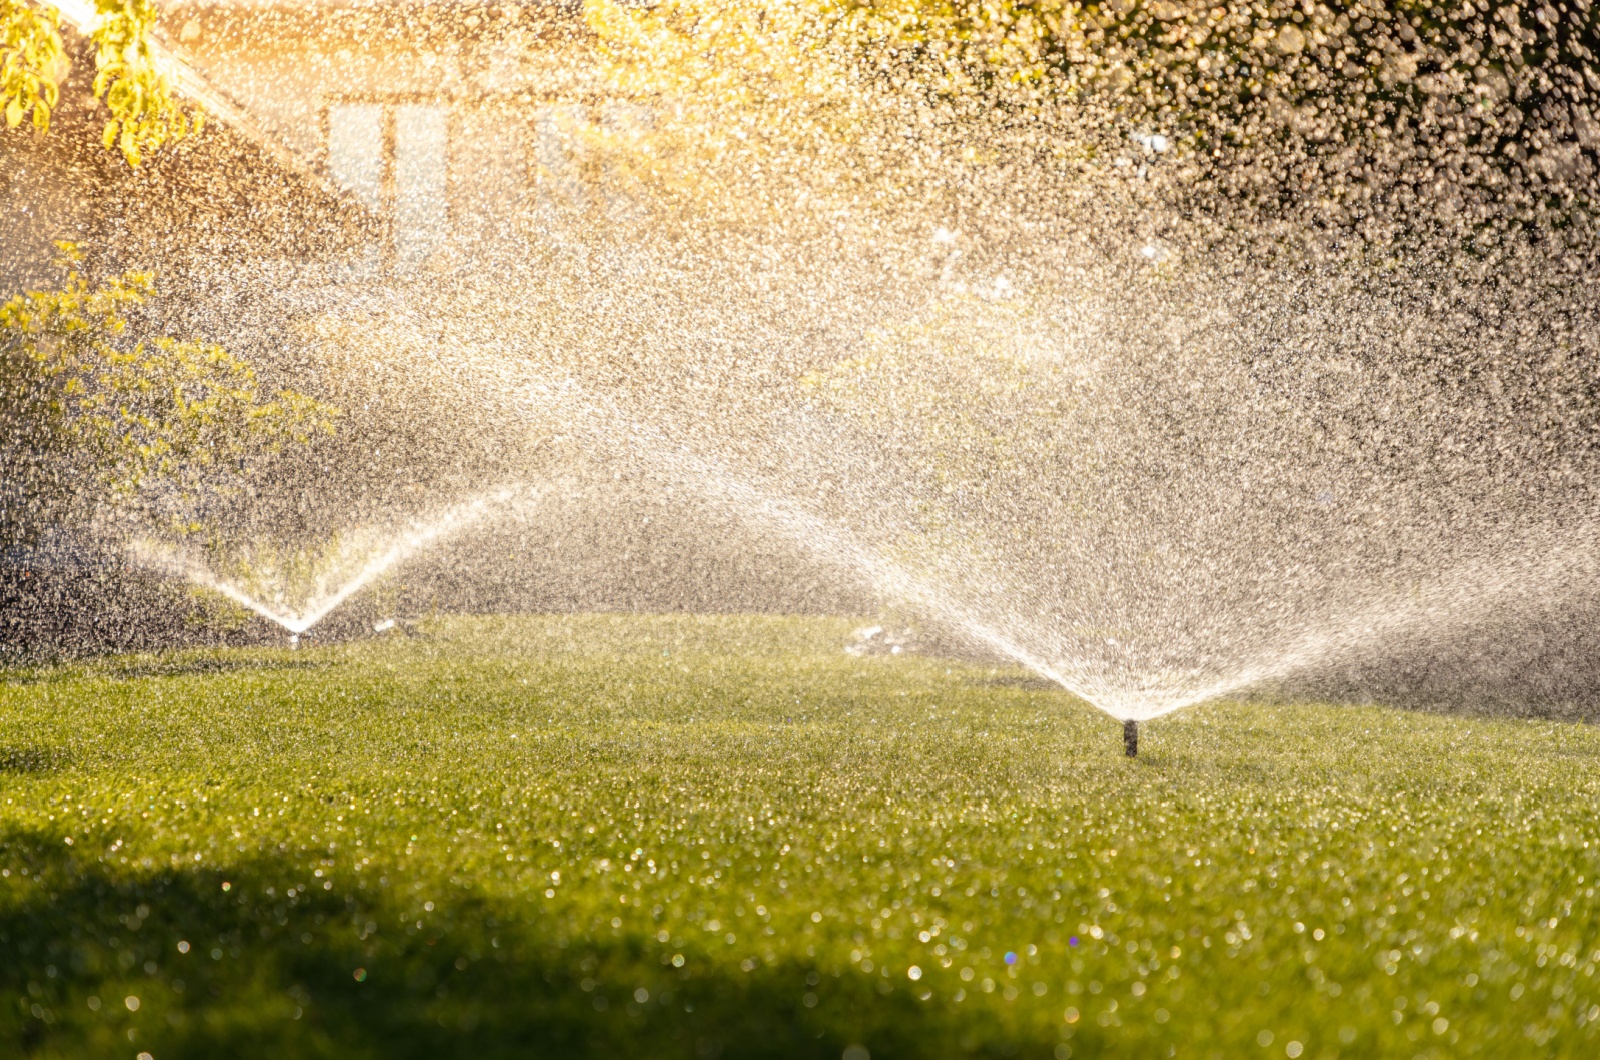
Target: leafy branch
<point x="128" y="418"/>
<point x="32" y="62"/>
<point x="145" y="115"/>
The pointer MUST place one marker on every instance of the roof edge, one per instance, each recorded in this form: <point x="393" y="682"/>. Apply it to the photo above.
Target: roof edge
<point x="191" y="84"/>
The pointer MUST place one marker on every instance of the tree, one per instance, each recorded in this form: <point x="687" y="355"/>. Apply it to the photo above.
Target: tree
<point x="93" y="422"/>
<point x="1471" y="119"/>
<point x="144" y="115"/>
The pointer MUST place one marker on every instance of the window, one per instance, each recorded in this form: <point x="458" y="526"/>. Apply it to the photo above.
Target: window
<point x="468" y="177"/>
<point x="409" y="175"/>
<point x="355" y="150"/>
<point x="421" y="171"/>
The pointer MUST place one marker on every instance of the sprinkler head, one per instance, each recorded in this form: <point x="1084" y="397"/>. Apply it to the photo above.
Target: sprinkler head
<point x="1130" y="738"/>
<point x="294" y="642"/>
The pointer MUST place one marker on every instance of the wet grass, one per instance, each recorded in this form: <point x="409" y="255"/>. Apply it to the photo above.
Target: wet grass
<point x="701" y="837"/>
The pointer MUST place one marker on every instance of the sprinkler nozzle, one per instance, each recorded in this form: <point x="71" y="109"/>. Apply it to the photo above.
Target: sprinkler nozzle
<point x="1130" y="738"/>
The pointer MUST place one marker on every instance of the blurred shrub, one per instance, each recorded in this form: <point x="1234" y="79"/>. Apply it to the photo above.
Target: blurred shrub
<point x="94" y="424"/>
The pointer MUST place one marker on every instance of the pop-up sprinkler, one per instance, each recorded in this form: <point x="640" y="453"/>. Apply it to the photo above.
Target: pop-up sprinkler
<point x="1130" y="738"/>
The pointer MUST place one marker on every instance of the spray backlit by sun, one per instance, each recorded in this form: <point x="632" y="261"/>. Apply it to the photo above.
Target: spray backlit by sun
<point x="1040" y="353"/>
<point x="354" y="569"/>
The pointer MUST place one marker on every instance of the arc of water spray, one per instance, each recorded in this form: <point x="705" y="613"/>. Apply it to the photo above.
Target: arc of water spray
<point x="890" y="579"/>
<point x="651" y="444"/>
<point x="453" y="520"/>
<point x="1450" y="603"/>
<point x="1447" y="605"/>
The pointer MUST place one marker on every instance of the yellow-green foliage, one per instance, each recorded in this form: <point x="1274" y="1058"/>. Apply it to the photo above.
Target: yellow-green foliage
<point x="1337" y="111"/>
<point x="1180" y="55"/>
<point x="680" y="837"/>
<point x="31" y="62"/>
<point x="144" y="113"/>
<point x="127" y="415"/>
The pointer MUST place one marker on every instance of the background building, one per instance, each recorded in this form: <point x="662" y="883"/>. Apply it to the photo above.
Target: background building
<point x="464" y="129"/>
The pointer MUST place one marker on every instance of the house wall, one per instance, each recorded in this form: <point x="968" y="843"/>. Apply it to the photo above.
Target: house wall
<point x="450" y="147"/>
<point x="219" y="199"/>
<point x="466" y="129"/>
<point x="46" y="188"/>
<point x="37" y="206"/>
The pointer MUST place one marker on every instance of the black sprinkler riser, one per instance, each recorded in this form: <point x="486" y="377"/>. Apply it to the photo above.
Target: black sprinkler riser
<point x="1130" y="738"/>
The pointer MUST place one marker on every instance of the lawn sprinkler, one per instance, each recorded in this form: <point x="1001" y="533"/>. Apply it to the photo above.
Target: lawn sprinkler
<point x="1130" y="737"/>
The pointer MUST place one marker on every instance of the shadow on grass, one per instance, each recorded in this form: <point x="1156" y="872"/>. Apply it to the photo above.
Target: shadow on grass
<point x="132" y="667"/>
<point x="113" y="961"/>
<point x="26" y="760"/>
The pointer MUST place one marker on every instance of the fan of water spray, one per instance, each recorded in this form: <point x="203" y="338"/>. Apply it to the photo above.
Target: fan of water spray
<point x="971" y="591"/>
<point x="1136" y="582"/>
<point x="340" y="575"/>
<point x="1163" y="404"/>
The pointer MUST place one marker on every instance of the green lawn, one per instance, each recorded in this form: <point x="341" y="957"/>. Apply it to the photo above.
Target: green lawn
<point x="712" y="836"/>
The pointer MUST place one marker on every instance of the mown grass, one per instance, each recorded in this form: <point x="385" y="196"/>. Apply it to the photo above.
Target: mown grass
<point x="701" y="837"/>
